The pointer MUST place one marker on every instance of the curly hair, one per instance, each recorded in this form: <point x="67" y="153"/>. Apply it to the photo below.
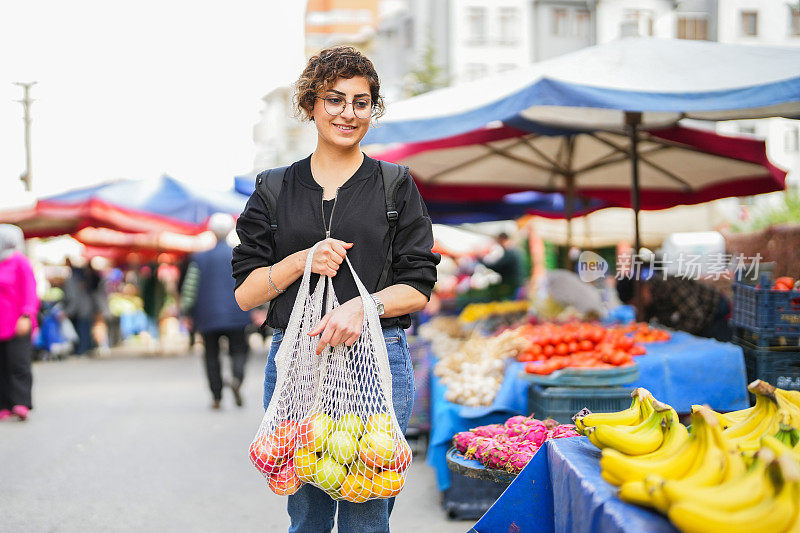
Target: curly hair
<point x="325" y="68"/>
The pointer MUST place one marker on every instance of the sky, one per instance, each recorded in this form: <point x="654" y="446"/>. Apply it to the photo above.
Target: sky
<point x="139" y="89"/>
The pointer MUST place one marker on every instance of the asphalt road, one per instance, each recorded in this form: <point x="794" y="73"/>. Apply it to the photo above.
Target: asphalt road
<point x="131" y="445"/>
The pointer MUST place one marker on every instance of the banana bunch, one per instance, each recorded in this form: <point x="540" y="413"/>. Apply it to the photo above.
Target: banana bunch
<point x="638" y="430"/>
<point x="765" y="499"/>
<point x="703" y="458"/>
<point x="638" y="412"/>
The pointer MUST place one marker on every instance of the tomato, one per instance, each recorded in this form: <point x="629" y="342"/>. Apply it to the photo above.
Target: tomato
<point x="535" y="349"/>
<point x="637" y="349"/>
<point x="572" y="347"/>
<point x="548" y="350"/>
<point x="562" y="349"/>
<point x="585" y="345"/>
<point x="785" y="280"/>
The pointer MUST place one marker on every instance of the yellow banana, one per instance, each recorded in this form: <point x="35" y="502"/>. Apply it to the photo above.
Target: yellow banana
<point x="764" y="408"/>
<point x="768" y="426"/>
<point x="629" y="417"/>
<point x="723" y="419"/>
<point x="637" y="440"/>
<point x="674" y="457"/>
<point x="745" y="491"/>
<point x="791" y="409"/>
<point x="779" y="448"/>
<point x="771" y="515"/>
<point x="634" y="492"/>
<point x="737" y="416"/>
<point x="611" y="478"/>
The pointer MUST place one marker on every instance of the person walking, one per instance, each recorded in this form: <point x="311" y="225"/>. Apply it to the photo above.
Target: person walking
<point x="18" y="307"/>
<point x="79" y="305"/>
<point x="337" y="196"/>
<point x="207" y="297"/>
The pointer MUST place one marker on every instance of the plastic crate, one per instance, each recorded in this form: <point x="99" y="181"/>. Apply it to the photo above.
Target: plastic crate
<point x="468" y="498"/>
<point x="765" y="311"/>
<point x="765" y="338"/>
<point x="561" y="403"/>
<point x="777" y="367"/>
<point x="420" y="420"/>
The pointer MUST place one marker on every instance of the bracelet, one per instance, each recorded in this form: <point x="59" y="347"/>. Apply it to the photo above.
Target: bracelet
<point x="272" y="284"/>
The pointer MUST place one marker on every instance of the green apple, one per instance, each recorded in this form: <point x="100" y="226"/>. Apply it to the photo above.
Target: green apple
<point x="351" y="423"/>
<point x="330" y="474"/>
<point x="314" y="431"/>
<point x="380" y="422"/>
<point x="376" y="449"/>
<point x="343" y="447"/>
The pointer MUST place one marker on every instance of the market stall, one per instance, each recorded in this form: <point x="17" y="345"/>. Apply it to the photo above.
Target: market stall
<point x="561" y="490"/>
<point x="675" y="371"/>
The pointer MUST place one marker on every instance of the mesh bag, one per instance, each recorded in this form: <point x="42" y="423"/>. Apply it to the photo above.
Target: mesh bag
<point x="331" y="421"/>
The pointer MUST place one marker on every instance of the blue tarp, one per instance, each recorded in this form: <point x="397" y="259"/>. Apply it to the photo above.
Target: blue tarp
<point x="164" y="196"/>
<point x="677" y="372"/>
<point x="561" y="490"/>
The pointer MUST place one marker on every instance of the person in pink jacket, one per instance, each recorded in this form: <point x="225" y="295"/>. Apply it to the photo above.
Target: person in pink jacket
<point x="18" y="307"/>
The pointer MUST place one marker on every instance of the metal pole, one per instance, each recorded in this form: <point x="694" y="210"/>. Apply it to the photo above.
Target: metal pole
<point x="632" y="121"/>
<point x="26" y="102"/>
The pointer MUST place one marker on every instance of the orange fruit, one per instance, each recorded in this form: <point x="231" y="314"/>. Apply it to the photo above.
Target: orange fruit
<point x="356" y="488"/>
<point x="387" y="483"/>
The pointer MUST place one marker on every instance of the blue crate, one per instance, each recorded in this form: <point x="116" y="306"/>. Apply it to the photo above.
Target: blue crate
<point x="469" y="498"/>
<point x="765" y="311"/>
<point x="780" y="368"/>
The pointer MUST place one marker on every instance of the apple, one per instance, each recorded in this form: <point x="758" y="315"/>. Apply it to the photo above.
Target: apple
<point x="285" y="437"/>
<point x="343" y="447"/>
<point x="402" y="457"/>
<point x="377" y="449"/>
<point x="330" y="474"/>
<point x="313" y="431"/>
<point x="267" y="454"/>
<point x="351" y="423"/>
<point x="285" y="481"/>
<point x="387" y="484"/>
<point x="361" y="468"/>
<point x="380" y="422"/>
<point x="305" y="463"/>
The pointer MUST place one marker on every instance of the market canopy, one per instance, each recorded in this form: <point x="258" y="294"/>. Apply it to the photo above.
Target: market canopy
<point x="593" y="88"/>
<point x="679" y="165"/>
<point x="133" y="206"/>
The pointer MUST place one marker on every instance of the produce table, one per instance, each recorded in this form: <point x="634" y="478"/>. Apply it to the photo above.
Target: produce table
<point x="561" y="491"/>
<point x="683" y="371"/>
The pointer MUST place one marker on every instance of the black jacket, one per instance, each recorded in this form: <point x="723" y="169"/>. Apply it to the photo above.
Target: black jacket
<point x="359" y="216"/>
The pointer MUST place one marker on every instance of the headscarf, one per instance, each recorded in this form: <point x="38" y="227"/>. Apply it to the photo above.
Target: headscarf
<point x="11" y="240"/>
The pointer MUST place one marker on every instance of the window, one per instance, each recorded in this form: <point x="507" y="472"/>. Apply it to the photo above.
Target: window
<point x="636" y="23"/>
<point x="583" y="23"/>
<point x="750" y="23"/>
<point x="791" y="140"/>
<point x="474" y="71"/>
<point x="560" y="22"/>
<point x="692" y="28"/>
<point x="476" y="24"/>
<point x="794" y="21"/>
<point x="509" y="26"/>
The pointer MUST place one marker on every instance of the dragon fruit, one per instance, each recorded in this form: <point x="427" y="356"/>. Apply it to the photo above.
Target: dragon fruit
<point x="562" y="431"/>
<point x="515" y="420"/>
<point x="463" y="440"/>
<point x="490" y="431"/>
<point x="535" y="433"/>
<point x="517" y="461"/>
<point x="496" y="458"/>
<point x="550" y="423"/>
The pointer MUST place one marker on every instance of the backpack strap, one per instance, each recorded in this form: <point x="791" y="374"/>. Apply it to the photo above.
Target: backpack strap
<point x="268" y="187"/>
<point x="393" y="176"/>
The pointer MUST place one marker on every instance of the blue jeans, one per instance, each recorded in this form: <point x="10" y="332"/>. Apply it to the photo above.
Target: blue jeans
<point x="311" y="510"/>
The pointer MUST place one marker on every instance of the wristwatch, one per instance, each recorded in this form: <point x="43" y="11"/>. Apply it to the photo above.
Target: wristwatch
<point x="378" y="304"/>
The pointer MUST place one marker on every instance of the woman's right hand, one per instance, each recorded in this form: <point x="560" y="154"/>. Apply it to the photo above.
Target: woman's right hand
<point x="328" y="256"/>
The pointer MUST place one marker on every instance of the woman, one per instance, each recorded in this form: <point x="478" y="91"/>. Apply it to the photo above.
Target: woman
<point x="18" y="307"/>
<point x="337" y="193"/>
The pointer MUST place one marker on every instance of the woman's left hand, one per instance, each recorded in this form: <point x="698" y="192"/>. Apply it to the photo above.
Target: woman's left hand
<point x="23" y="326"/>
<point x="341" y="325"/>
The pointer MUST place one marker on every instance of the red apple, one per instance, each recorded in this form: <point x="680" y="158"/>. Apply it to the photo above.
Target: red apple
<point x="313" y="431"/>
<point x="402" y="457"/>
<point x="285" y="481"/>
<point x="266" y="454"/>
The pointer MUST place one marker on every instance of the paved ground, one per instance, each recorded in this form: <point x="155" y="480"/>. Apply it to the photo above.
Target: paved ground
<point x="131" y="445"/>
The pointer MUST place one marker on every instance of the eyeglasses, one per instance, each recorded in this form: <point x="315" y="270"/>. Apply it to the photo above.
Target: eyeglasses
<point x="335" y="105"/>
